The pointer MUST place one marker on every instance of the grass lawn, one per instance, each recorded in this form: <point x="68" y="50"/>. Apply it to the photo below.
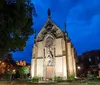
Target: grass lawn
<point x="22" y="82"/>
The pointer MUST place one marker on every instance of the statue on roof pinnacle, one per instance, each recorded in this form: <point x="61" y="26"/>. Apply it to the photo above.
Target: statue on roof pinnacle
<point x="49" y="12"/>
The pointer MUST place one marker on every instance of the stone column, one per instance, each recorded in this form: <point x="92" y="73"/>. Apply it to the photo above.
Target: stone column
<point x="35" y="60"/>
<point x="69" y="57"/>
<point x="72" y="53"/>
<point x="32" y="67"/>
<point x="66" y="57"/>
<point x="74" y="62"/>
<point x="44" y="68"/>
<point x="32" y="64"/>
<point x="54" y="74"/>
<point x="35" y="66"/>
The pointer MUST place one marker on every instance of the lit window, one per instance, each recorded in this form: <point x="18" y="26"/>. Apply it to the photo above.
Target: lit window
<point x="97" y="57"/>
<point x="89" y="59"/>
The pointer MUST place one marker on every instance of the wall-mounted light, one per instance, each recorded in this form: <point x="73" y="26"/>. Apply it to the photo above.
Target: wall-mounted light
<point x="78" y="67"/>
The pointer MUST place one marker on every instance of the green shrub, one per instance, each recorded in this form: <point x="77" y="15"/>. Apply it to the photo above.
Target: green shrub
<point x="58" y="79"/>
<point x="71" y="78"/>
<point x="91" y="76"/>
<point x="7" y="76"/>
<point x="35" y="79"/>
<point x="98" y="76"/>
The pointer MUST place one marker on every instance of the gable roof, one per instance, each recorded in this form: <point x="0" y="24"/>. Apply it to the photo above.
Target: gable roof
<point x="49" y="27"/>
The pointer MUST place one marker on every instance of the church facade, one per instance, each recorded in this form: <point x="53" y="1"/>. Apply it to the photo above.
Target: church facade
<point x="53" y="54"/>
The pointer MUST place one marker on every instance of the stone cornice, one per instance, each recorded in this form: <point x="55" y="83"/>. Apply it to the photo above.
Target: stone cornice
<point x="45" y="57"/>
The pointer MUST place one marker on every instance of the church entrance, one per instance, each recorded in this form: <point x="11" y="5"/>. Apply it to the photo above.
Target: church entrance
<point x="49" y="72"/>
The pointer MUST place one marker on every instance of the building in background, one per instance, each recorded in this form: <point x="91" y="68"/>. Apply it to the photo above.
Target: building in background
<point x="53" y="53"/>
<point x="6" y="64"/>
<point x="21" y="63"/>
<point x="89" y="61"/>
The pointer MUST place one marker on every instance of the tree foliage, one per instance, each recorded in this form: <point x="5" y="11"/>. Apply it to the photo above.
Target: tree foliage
<point x="24" y="71"/>
<point x="15" y="24"/>
<point x="8" y="59"/>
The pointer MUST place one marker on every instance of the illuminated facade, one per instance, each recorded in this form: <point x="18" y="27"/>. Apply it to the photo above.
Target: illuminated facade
<point x="53" y="53"/>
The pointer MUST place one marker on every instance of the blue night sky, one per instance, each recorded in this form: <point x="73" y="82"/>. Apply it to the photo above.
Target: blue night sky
<point x="81" y="16"/>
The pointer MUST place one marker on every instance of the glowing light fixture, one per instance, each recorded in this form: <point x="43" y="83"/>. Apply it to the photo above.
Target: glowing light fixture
<point x="78" y="67"/>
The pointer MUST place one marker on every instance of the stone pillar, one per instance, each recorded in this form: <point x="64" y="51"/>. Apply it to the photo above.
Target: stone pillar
<point x="74" y="62"/>
<point x="35" y="66"/>
<point x="69" y="57"/>
<point x="35" y="60"/>
<point x="44" y="67"/>
<point x="32" y="67"/>
<point x="32" y="64"/>
<point x="54" y="74"/>
<point x="72" y="53"/>
<point x="66" y="59"/>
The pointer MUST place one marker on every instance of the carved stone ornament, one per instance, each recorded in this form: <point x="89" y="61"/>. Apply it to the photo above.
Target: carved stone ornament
<point x="49" y="42"/>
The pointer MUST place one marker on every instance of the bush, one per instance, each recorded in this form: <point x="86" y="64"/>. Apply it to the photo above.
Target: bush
<point x="71" y="78"/>
<point x="35" y="79"/>
<point x="98" y="77"/>
<point x="91" y="76"/>
<point x="58" y="79"/>
<point x="7" y="76"/>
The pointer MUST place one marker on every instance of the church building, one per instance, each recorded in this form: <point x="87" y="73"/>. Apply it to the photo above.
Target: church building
<point x="53" y="54"/>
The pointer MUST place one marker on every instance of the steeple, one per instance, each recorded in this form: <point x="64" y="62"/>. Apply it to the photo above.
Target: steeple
<point x="65" y="27"/>
<point x="65" y="30"/>
<point x="49" y="13"/>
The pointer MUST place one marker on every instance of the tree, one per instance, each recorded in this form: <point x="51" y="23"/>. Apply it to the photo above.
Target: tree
<point x="24" y="71"/>
<point x="15" y="24"/>
<point x="8" y="59"/>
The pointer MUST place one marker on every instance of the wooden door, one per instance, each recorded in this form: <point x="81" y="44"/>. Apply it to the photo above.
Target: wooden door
<point x="49" y="72"/>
